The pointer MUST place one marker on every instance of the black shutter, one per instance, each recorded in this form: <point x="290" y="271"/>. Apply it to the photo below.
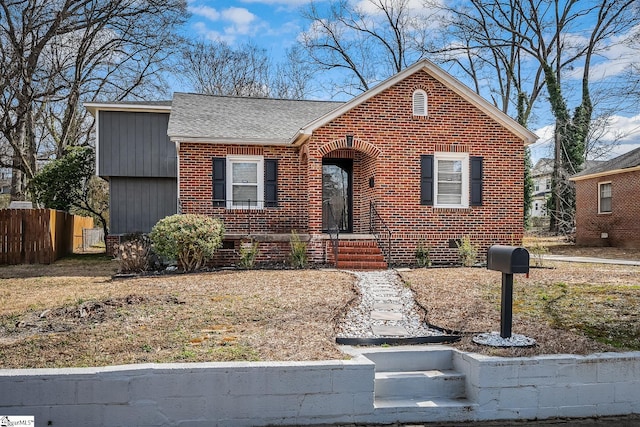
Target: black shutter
<point x="426" y="180"/>
<point x="219" y="176"/>
<point x="271" y="183"/>
<point x="476" y="181"/>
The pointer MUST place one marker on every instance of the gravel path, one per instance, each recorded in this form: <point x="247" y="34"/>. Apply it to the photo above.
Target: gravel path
<point x="386" y="309"/>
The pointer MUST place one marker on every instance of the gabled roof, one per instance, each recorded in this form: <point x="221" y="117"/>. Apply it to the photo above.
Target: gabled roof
<point x="544" y="166"/>
<point x="209" y="118"/>
<point x="624" y="163"/>
<point x="443" y="77"/>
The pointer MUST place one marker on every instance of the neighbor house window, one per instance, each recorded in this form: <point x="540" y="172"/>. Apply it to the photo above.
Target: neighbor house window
<point x="604" y="201"/>
<point x="451" y="171"/>
<point x="419" y="103"/>
<point x="245" y="182"/>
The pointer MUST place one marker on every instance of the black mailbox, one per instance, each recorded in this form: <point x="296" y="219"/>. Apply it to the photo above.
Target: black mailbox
<point x="508" y="259"/>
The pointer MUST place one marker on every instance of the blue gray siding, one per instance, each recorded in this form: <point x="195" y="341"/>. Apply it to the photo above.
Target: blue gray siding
<point x="136" y="204"/>
<point x="135" y="144"/>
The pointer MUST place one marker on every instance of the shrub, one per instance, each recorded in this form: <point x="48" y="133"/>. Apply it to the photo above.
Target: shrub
<point x="423" y="255"/>
<point x="538" y="251"/>
<point x="467" y="253"/>
<point x="190" y="239"/>
<point x="133" y="253"/>
<point x="298" y="251"/>
<point x="248" y="254"/>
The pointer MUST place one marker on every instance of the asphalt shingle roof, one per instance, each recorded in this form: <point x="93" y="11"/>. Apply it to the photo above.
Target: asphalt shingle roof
<point x="624" y="161"/>
<point x="224" y="117"/>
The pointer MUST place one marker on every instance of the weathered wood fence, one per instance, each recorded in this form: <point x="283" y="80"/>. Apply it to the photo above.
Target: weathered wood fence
<point x="39" y="236"/>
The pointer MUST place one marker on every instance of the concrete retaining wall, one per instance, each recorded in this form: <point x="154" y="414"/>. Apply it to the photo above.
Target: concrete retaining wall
<point x="296" y="393"/>
<point x="551" y="386"/>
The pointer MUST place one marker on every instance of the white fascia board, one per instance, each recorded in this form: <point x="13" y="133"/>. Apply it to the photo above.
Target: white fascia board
<point x="94" y="107"/>
<point x="233" y="141"/>
<point x="605" y="173"/>
<point x="440" y="75"/>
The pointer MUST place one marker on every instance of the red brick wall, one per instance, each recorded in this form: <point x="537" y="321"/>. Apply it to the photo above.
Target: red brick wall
<point x="622" y="224"/>
<point x="388" y="143"/>
<point x="387" y="124"/>
<point x="196" y="191"/>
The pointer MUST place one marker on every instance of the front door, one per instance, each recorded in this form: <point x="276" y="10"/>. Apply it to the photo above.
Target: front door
<point x="337" y="194"/>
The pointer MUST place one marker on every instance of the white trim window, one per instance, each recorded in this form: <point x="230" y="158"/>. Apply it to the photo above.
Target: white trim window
<point x="451" y="172"/>
<point x="419" y="103"/>
<point x="245" y="182"/>
<point x="604" y="197"/>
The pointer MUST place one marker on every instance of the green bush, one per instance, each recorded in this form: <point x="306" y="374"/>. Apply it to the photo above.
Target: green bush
<point x="298" y="251"/>
<point x="467" y="252"/>
<point x="190" y="239"/>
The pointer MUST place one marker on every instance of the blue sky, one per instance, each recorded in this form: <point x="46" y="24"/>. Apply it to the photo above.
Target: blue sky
<point x="276" y="24"/>
<point x="271" y="24"/>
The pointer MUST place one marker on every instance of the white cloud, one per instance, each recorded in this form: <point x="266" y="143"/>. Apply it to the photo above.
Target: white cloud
<point x="242" y="22"/>
<point x="611" y="61"/>
<point x="205" y="12"/>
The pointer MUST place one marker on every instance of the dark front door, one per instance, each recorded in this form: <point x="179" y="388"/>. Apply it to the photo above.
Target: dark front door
<point x="337" y="194"/>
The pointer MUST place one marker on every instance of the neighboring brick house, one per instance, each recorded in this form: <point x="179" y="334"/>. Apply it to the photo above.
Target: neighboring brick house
<point x="419" y="159"/>
<point x="607" y="203"/>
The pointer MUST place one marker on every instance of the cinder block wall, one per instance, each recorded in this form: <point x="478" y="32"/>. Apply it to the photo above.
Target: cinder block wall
<point x="551" y="386"/>
<point x="206" y="394"/>
<point x="299" y="393"/>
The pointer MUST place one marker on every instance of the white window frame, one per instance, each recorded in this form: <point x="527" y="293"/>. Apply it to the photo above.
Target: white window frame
<point x="259" y="161"/>
<point x="464" y="157"/>
<point x="600" y="184"/>
<point x="424" y="103"/>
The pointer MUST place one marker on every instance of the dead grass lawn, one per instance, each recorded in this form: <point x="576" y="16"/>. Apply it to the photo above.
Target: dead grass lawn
<point x="72" y="313"/>
<point x="83" y="318"/>
<point x="570" y="308"/>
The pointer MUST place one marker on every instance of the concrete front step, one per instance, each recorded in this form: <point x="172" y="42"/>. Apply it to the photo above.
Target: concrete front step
<point x="420" y="384"/>
<point x="408" y="360"/>
<point x="418" y="410"/>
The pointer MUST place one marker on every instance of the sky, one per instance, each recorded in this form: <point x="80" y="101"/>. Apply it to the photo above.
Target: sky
<point x="275" y="25"/>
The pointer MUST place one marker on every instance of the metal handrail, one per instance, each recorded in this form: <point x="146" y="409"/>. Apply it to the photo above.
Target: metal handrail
<point x="333" y="226"/>
<point x="373" y="216"/>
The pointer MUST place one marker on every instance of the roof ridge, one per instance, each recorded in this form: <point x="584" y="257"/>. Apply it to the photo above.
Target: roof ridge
<point x="258" y="98"/>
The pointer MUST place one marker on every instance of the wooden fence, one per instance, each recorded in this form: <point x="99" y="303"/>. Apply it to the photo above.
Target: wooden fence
<point x="39" y="236"/>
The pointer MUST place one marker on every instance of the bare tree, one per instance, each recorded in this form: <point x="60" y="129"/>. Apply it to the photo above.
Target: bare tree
<point x="368" y="41"/>
<point x="56" y="53"/>
<point x="215" y="68"/>
<point x="558" y="36"/>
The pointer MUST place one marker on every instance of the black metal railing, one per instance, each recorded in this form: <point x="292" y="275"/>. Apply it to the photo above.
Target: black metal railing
<point x="381" y="232"/>
<point x="333" y="227"/>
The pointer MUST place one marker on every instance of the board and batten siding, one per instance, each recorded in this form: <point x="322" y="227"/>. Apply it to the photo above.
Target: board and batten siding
<point x="138" y="203"/>
<point x="135" y="144"/>
<point x="139" y="161"/>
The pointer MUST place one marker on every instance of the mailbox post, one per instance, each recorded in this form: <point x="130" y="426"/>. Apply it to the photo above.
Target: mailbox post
<point x="508" y="260"/>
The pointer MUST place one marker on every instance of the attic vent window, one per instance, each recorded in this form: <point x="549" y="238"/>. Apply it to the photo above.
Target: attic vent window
<point x="419" y="103"/>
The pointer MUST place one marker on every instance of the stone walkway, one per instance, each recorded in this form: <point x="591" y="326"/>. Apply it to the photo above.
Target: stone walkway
<point x="386" y="309"/>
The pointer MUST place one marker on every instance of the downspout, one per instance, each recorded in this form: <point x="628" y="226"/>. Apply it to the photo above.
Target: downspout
<point x="178" y="207"/>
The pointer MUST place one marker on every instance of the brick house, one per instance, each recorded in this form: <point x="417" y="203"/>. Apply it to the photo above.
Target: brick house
<point x="607" y="203"/>
<point x="418" y="160"/>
